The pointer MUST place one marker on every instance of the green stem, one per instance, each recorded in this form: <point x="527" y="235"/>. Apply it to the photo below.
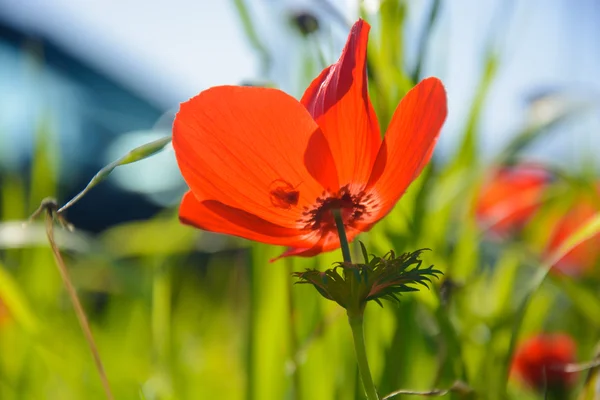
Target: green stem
<point x="356" y="324"/>
<point x="355" y="318"/>
<point x="339" y="223"/>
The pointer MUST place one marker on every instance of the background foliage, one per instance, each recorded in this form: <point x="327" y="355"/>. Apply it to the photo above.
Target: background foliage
<point x="183" y="314"/>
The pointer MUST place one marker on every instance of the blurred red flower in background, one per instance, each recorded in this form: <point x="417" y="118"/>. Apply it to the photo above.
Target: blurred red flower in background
<point x="510" y="196"/>
<point x="540" y="361"/>
<point x="263" y="166"/>
<point x="4" y="313"/>
<point x="586" y="255"/>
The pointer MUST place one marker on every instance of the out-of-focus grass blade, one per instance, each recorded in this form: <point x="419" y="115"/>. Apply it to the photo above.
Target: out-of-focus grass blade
<point x="503" y="282"/>
<point x="15" y="301"/>
<point x="451" y="364"/>
<point x="403" y="339"/>
<point x="137" y="154"/>
<point x="591" y="389"/>
<point x="538" y="129"/>
<point x="392" y="15"/>
<point x="421" y="203"/>
<point x="268" y="344"/>
<point x="433" y="14"/>
<point x="44" y="172"/>
<point x="468" y="149"/>
<point x="582" y="297"/>
<point x="248" y="26"/>
<point x="388" y="82"/>
<point x="333" y="11"/>
<point x="591" y="228"/>
<point x="13" y="203"/>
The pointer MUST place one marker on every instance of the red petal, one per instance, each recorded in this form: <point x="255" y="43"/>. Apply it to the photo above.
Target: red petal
<point x="246" y="147"/>
<point x="338" y="100"/>
<point x="217" y="217"/>
<point x="511" y="196"/>
<point x="408" y="144"/>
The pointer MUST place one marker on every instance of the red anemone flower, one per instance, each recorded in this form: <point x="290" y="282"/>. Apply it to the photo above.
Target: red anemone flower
<point x="511" y="196"/>
<point x="264" y="166"/>
<point x="540" y="361"/>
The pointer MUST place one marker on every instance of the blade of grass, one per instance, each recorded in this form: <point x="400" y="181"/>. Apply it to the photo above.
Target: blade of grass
<point x="424" y="40"/>
<point x="161" y="312"/>
<point x="458" y="387"/>
<point x="467" y="154"/>
<point x="251" y="34"/>
<point x="534" y="133"/>
<point x="591" y="388"/>
<point x="294" y="345"/>
<point x="269" y="335"/>
<point x="44" y="171"/>
<point x="16" y="302"/>
<point x="584" y="299"/>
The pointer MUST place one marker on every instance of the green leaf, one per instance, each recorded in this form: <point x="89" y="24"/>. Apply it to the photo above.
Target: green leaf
<point x="364" y="252"/>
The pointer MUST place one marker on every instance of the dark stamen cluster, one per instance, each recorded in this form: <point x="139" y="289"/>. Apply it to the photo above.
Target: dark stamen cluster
<point x="353" y="207"/>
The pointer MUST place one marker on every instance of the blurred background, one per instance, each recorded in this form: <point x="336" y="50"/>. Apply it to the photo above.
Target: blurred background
<point x="184" y="314"/>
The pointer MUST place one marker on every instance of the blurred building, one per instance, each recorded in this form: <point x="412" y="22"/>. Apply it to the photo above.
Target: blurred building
<point x="100" y="77"/>
<point x="48" y="90"/>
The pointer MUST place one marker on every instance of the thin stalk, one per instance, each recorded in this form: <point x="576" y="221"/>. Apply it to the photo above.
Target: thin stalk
<point x="339" y="223"/>
<point x="161" y="313"/>
<point x="85" y="326"/>
<point x="355" y="318"/>
<point x="356" y="324"/>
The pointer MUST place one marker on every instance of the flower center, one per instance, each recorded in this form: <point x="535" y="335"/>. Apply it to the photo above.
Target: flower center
<point x="353" y="208"/>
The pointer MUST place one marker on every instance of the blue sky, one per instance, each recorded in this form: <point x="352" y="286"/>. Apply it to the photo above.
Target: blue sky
<point x="169" y="50"/>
